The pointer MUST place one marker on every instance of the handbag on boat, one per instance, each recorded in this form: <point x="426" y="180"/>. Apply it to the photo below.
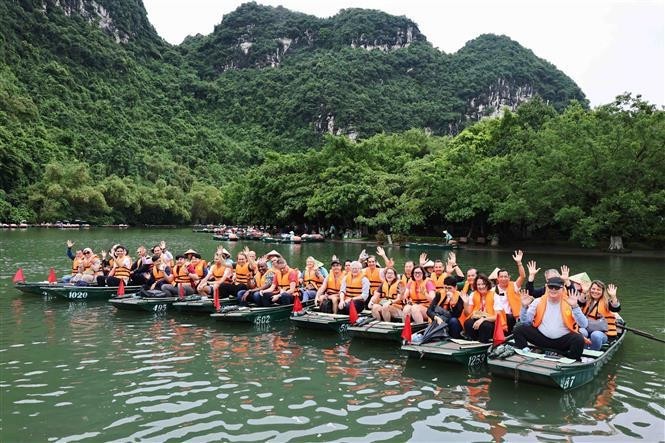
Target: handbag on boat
<point x="597" y="324"/>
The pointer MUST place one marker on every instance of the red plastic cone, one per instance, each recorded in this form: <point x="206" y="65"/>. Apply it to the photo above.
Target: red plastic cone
<point x="353" y="314"/>
<point x="181" y="292"/>
<point x="499" y="336"/>
<point x="215" y="300"/>
<point x="406" y="332"/>
<point x="297" y="305"/>
<point x="51" y="276"/>
<point x="18" y="277"/>
<point x="121" y="288"/>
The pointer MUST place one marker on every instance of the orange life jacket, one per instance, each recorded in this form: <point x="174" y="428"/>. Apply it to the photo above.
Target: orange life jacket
<point x="284" y="281"/>
<point x="449" y="305"/>
<point x="374" y="277"/>
<point x="417" y="292"/>
<point x="354" y="286"/>
<point x="310" y="278"/>
<point x="438" y="280"/>
<point x="601" y="309"/>
<point x="157" y="273"/>
<point x="200" y="268"/>
<point x="486" y="305"/>
<point x="242" y="274"/>
<point x="334" y="284"/>
<point x="391" y="292"/>
<point x="566" y="314"/>
<point x="123" y="269"/>
<point x="217" y="271"/>
<point x="75" y="265"/>
<point x="181" y="274"/>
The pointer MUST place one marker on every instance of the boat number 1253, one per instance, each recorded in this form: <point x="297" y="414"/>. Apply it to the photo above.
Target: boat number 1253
<point x="77" y="294"/>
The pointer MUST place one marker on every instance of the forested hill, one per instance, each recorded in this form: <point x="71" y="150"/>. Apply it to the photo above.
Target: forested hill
<point x="100" y="119"/>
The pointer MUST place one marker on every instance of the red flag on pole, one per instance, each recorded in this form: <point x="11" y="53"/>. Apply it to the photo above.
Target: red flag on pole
<point x="181" y="292"/>
<point x="51" y="276"/>
<point x="297" y="305"/>
<point x="353" y="314"/>
<point x="18" y="277"/>
<point x="121" y="288"/>
<point x="499" y="336"/>
<point x="215" y="300"/>
<point x="406" y="332"/>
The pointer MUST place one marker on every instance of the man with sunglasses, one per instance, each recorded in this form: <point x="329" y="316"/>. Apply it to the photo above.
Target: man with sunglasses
<point x="553" y="321"/>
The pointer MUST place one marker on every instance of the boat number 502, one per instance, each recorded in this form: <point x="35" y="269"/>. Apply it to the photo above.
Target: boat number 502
<point x="159" y="308"/>
<point x="77" y="294"/>
<point x="262" y="319"/>
<point x="567" y="382"/>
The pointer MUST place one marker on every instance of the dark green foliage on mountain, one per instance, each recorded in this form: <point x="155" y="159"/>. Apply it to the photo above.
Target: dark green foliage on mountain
<point x="100" y="119"/>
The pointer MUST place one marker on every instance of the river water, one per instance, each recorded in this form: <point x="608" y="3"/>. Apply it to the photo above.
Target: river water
<point x="86" y="372"/>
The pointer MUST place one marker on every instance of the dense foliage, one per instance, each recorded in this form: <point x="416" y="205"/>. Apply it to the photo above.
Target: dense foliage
<point x="115" y="125"/>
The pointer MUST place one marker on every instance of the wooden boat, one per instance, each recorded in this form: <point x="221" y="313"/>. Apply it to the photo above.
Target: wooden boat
<point x="314" y="319"/>
<point x="416" y="245"/>
<point x="558" y="372"/>
<point x="73" y="292"/>
<point x="220" y="237"/>
<point x="202" y="305"/>
<point x="149" y="304"/>
<point x="467" y="352"/>
<point x="383" y="330"/>
<point x="257" y="315"/>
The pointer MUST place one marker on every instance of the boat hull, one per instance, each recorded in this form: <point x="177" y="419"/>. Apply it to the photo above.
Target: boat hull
<point x="321" y="321"/>
<point x="414" y="245"/>
<point x="383" y="330"/>
<point x="204" y="306"/>
<point x="256" y="315"/>
<point x="31" y="288"/>
<point x="84" y="293"/>
<point x="468" y="353"/>
<point x="156" y="304"/>
<point x="557" y="373"/>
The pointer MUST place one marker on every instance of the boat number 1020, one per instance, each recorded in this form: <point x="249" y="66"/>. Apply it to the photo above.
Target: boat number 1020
<point x="77" y="294"/>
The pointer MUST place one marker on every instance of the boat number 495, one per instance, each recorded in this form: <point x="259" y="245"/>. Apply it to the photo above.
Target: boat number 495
<point x="77" y="294"/>
<point x="159" y="308"/>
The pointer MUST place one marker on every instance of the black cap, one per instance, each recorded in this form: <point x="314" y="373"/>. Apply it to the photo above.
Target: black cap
<point x="335" y="262"/>
<point x="555" y="281"/>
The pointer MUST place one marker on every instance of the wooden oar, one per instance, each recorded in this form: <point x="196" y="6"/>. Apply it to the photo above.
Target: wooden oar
<point x="643" y="334"/>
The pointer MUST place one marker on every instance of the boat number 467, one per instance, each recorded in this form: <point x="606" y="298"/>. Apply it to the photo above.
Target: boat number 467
<point x="77" y="294"/>
<point x="567" y="382"/>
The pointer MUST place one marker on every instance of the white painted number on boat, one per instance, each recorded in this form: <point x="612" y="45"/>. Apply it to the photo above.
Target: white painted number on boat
<point x="261" y="319"/>
<point x="343" y="327"/>
<point x="77" y="294"/>
<point x="476" y="360"/>
<point x="159" y="308"/>
<point x="567" y="382"/>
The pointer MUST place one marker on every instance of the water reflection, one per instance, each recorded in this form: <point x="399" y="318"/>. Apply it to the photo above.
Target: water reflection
<point x="137" y="376"/>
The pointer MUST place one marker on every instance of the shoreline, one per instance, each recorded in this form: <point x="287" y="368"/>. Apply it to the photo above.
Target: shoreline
<point x="537" y="248"/>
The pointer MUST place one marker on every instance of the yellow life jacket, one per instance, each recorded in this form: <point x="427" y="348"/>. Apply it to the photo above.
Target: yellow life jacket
<point x="242" y="274"/>
<point x="181" y="274"/>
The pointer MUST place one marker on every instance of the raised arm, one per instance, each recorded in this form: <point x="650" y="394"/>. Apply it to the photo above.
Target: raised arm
<point x="517" y="256"/>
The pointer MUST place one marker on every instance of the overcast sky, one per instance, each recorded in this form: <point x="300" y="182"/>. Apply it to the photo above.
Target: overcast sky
<point x="606" y="46"/>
